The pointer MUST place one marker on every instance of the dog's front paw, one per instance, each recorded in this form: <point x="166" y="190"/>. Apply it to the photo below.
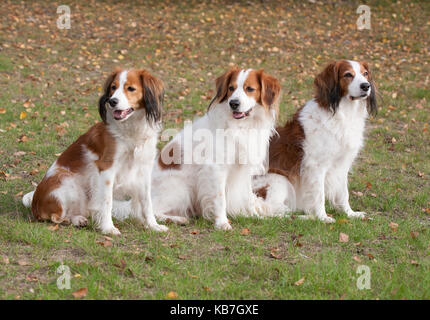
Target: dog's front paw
<point x="79" y="221"/>
<point x="327" y="219"/>
<point x="356" y="214"/>
<point x="223" y="225"/>
<point x="111" y="230"/>
<point x="261" y="208"/>
<point x="178" y="220"/>
<point x="158" y="227"/>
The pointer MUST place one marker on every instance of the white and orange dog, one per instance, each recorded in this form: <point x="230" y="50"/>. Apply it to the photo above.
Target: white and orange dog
<point x="212" y="176"/>
<point x="316" y="149"/>
<point x="114" y="158"/>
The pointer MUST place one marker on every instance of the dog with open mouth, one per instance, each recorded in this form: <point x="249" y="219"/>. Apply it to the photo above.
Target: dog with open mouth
<point x="315" y="150"/>
<point x="113" y="159"/>
<point x="232" y="140"/>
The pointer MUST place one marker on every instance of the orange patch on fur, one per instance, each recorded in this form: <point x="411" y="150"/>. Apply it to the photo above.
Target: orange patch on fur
<point x="286" y="150"/>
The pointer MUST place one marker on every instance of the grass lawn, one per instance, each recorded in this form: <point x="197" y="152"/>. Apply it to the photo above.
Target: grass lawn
<point x="50" y="83"/>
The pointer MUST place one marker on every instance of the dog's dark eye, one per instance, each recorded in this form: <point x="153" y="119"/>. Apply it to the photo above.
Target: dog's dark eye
<point x="231" y="88"/>
<point x="365" y="73"/>
<point x="348" y="75"/>
<point x="131" y="89"/>
<point x="113" y="87"/>
<point x="250" y="89"/>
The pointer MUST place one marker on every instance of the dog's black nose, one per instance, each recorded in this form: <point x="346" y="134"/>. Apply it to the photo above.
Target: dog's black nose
<point x="365" y="86"/>
<point x="234" y="104"/>
<point x="113" y="102"/>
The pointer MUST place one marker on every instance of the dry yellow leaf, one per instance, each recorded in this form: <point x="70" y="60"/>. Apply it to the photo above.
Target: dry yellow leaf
<point x="245" y="231"/>
<point x="393" y="226"/>
<point x="299" y="282"/>
<point x="22" y="115"/>
<point x="343" y="237"/>
<point x="81" y="293"/>
<point x="172" y="295"/>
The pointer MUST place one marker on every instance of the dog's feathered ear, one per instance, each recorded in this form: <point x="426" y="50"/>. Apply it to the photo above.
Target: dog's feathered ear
<point x="153" y="96"/>
<point x="105" y="97"/>
<point x="372" y="107"/>
<point x="327" y="87"/>
<point x="270" y="91"/>
<point x="222" y="83"/>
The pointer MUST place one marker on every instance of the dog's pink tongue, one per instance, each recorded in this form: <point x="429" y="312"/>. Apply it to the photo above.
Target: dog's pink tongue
<point x="120" y="114"/>
<point x="238" y="115"/>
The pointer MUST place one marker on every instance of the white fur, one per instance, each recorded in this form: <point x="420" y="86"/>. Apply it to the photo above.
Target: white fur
<point x="129" y="176"/>
<point x="215" y="189"/>
<point x="280" y="194"/>
<point x="331" y="144"/>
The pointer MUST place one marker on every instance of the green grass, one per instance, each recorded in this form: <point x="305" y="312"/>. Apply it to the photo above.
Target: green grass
<point x="55" y="76"/>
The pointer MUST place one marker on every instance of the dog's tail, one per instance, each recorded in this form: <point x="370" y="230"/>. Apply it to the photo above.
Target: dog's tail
<point x="27" y="199"/>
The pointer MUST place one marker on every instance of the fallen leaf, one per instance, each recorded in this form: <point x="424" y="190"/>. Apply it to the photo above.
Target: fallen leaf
<point x="149" y="258"/>
<point x="53" y="228"/>
<point x="299" y="282"/>
<point x="393" y="226"/>
<point x="81" y="293"/>
<point x="245" y="232"/>
<point x="172" y="295"/>
<point x="4" y="260"/>
<point x="23" y="138"/>
<point x="341" y="221"/>
<point x="23" y="263"/>
<point x="414" y="262"/>
<point x="31" y="278"/>
<point x="343" y="237"/>
<point x="195" y="232"/>
<point x="414" y="234"/>
<point x="22" y="115"/>
<point x="274" y="254"/>
<point x="206" y="288"/>
<point x="2" y="110"/>
<point x="105" y="243"/>
<point x="356" y="258"/>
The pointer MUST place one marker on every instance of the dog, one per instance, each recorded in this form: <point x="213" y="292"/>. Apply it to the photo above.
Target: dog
<point x="212" y="177"/>
<point x="316" y="149"/>
<point x="114" y="158"/>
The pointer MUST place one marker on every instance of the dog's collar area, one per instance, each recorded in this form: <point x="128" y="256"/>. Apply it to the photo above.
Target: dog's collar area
<point x="241" y="115"/>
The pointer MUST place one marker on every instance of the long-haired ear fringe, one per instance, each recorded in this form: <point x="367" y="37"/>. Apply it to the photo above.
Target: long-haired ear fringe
<point x="105" y="97"/>
<point x="327" y="88"/>
<point x="153" y="96"/>
<point x="222" y="83"/>
<point x="372" y="107"/>
<point x="270" y="91"/>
